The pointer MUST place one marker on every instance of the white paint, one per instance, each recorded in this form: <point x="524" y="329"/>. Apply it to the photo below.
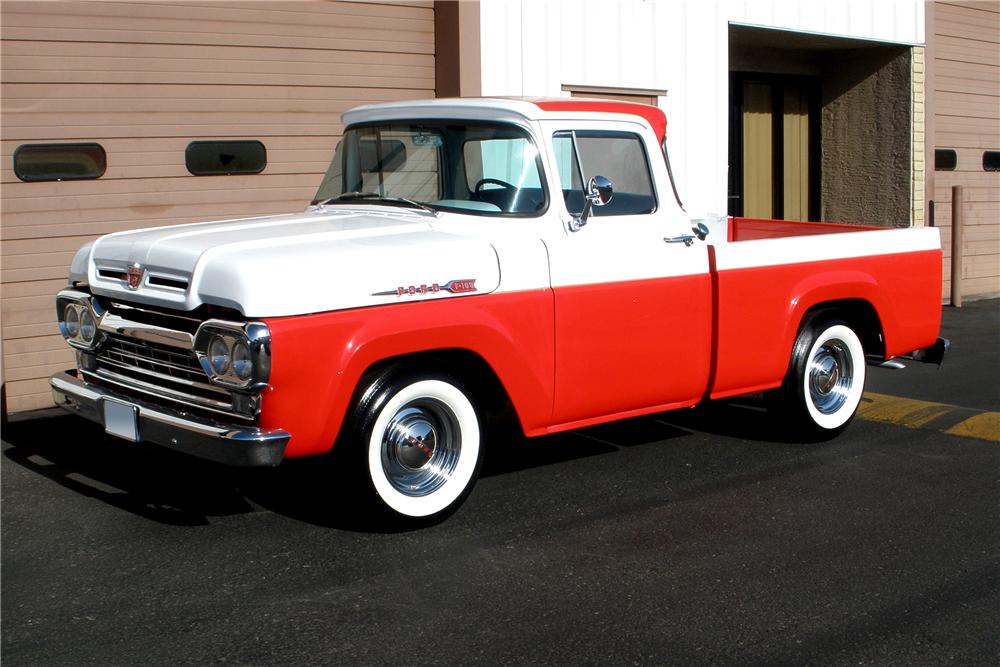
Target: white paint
<point x="824" y="247"/>
<point x="618" y="248"/>
<point x="339" y="257"/>
<point x="534" y="47"/>
<point x="324" y="259"/>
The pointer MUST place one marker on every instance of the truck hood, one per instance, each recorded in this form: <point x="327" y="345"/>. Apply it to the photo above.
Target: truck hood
<point x="320" y="260"/>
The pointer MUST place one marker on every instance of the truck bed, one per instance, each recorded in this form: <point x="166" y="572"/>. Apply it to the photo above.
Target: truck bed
<point x="752" y="229"/>
<point x="768" y="273"/>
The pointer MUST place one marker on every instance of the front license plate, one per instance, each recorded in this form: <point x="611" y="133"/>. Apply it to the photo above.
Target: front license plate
<point x="121" y="419"/>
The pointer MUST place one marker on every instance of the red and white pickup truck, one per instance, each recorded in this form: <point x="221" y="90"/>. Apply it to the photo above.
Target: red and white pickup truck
<point x="463" y="257"/>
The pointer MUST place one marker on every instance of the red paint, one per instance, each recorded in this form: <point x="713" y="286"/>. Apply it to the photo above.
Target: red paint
<point x="317" y="360"/>
<point x="760" y="310"/>
<point x="583" y="355"/>
<point x="627" y="414"/>
<point x="654" y="115"/>
<point x="750" y="229"/>
<point x="625" y="346"/>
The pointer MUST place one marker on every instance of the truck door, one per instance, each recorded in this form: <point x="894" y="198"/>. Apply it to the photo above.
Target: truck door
<point x="633" y="312"/>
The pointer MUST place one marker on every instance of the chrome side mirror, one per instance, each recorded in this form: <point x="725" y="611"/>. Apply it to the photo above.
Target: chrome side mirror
<point x="600" y="190"/>
<point x="700" y="230"/>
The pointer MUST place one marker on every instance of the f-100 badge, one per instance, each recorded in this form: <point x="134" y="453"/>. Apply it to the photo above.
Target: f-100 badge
<point x="453" y="286"/>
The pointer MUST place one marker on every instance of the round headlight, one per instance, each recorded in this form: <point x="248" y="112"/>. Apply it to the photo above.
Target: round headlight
<point x="88" y="327"/>
<point x="242" y="361"/>
<point x="218" y="355"/>
<point x="72" y="317"/>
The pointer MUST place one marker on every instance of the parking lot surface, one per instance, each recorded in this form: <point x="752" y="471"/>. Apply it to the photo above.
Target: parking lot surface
<point x="698" y="537"/>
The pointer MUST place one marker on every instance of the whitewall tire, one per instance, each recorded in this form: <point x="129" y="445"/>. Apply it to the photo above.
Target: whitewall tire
<point x="423" y="446"/>
<point x="835" y="377"/>
<point x="825" y="381"/>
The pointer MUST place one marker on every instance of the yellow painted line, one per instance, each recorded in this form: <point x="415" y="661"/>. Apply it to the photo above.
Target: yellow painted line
<point x="912" y="413"/>
<point x="985" y="426"/>
<point x="907" y="412"/>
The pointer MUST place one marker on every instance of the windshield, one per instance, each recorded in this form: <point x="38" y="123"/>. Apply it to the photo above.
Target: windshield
<point x="473" y="168"/>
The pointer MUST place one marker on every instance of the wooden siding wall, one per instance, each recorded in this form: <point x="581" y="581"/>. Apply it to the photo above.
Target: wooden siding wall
<point x="966" y="93"/>
<point x="145" y="79"/>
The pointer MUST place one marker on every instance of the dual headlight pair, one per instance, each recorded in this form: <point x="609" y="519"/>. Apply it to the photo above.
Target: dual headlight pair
<point x="78" y="317"/>
<point x="235" y="355"/>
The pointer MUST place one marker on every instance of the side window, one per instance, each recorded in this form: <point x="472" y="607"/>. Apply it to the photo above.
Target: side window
<point x="225" y="158"/>
<point x="945" y="159"/>
<point x="618" y="156"/>
<point x="59" y="162"/>
<point x="567" y="167"/>
<point x="991" y="160"/>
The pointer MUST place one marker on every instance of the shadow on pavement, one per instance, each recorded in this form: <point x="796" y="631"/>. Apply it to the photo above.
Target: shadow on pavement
<point x="179" y="490"/>
<point x="742" y="417"/>
<point x="146" y="481"/>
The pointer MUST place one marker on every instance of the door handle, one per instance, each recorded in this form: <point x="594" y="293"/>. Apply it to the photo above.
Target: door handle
<point x="686" y="239"/>
<point x="700" y="232"/>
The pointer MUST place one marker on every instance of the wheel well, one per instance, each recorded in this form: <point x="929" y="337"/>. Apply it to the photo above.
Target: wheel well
<point x="478" y="377"/>
<point x="859" y="314"/>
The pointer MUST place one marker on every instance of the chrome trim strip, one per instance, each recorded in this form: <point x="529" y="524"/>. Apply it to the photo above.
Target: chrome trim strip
<point x="156" y="391"/>
<point x="116" y="324"/>
<point x="119" y="305"/>
<point x="231" y="444"/>
<point x="182" y="360"/>
<point x="103" y="361"/>
<point x="125" y="359"/>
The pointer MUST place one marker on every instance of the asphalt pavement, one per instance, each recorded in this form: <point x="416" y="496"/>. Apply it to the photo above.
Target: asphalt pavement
<point x="699" y="537"/>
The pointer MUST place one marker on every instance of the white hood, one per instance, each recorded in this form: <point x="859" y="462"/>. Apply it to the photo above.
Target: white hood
<point x="320" y="260"/>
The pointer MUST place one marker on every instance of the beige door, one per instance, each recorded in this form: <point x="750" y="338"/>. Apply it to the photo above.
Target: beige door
<point x="144" y="80"/>
<point x="770" y="147"/>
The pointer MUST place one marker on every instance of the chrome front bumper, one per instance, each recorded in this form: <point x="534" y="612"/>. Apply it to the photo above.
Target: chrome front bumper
<point x="233" y="445"/>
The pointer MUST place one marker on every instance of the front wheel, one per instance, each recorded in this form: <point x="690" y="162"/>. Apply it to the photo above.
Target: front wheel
<point x="825" y="380"/>
<point x="422" y="445"/>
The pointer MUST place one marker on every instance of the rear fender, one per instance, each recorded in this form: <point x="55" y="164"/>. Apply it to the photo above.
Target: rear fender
<point x="829" y="287"/>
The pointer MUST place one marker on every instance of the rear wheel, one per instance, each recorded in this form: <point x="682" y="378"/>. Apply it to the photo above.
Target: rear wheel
<point x="825" y="380"/>
<point x="422" y="444"/>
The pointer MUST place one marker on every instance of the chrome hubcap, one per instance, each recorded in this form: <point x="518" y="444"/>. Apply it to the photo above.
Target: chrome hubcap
<point x="421" y="447"/>
<point x="830" y="376"/>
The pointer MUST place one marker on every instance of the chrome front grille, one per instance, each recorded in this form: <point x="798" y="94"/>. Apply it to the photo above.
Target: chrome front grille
<point x="162" y="371"/>
<point x="149" y="353"/>
<point x="160" y="362"/>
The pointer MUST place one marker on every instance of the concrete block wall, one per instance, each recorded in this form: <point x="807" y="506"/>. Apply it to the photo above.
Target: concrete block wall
<point x="919" y="159"/>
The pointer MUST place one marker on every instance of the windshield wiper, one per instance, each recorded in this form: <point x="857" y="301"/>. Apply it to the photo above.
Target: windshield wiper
<point x="392" y="201"/>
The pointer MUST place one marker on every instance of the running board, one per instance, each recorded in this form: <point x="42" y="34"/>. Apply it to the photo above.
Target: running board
<point x="894" y="363"/>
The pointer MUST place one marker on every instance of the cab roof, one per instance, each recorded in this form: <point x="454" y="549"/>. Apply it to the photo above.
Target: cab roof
<point x="531" y="108"/>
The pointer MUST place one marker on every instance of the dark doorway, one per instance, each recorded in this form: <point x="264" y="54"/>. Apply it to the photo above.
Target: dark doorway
<point x="774" y="143"/>
<point x="820" y="128"/>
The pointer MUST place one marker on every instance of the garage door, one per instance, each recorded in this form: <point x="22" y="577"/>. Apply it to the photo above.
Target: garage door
<point x="136" y="84"/>
<point x="967" y="137"/>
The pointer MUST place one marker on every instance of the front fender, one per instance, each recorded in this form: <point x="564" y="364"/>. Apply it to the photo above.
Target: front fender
<point x="318" y="360"/>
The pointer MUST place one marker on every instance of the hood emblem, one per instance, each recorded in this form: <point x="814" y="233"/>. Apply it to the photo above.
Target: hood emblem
<point x="134" y="275"/>
<point x="454" y="286"/>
